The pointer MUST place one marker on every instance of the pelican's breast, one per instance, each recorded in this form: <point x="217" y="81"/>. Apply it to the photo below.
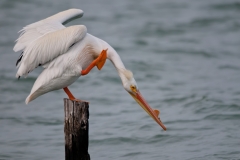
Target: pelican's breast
<point x="86" y="56"/>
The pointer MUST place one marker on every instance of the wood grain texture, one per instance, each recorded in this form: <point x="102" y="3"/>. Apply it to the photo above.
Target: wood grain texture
<point x="76" y="130"/>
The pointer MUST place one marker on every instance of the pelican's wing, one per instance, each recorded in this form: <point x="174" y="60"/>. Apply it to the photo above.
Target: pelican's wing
<point x="35" y="30"/>
<point x="49" y="46"/>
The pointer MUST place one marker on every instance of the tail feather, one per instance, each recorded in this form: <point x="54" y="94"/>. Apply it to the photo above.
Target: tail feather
<point x="28" y="99"/>
<point x="31" y="97"/>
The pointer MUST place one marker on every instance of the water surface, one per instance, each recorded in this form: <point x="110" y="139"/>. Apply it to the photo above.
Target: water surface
<point x="185" y="58"/>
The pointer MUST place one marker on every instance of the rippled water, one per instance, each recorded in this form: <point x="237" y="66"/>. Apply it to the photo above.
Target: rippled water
<point x="185" y="58"/>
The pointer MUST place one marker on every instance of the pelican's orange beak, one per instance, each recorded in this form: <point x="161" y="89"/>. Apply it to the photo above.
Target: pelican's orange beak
<point x="152" y="112"/>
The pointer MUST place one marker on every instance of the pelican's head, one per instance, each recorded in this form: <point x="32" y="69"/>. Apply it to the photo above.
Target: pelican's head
<point x="131" y="87"/>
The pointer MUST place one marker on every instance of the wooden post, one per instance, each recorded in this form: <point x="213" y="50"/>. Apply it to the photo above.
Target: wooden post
<point x="76" y="130"/>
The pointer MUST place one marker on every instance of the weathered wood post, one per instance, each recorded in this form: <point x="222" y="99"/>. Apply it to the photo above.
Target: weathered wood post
<point x="76" y="130"/>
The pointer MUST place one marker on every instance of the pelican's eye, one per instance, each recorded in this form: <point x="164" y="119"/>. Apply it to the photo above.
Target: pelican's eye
<point x="133" y="88"/>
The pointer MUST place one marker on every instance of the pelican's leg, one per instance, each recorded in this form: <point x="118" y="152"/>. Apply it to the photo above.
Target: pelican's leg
<point x="70" y="95"/>
<point x="99" y="62"/>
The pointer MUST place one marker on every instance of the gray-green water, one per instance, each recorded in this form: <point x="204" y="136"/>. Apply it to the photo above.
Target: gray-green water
<point x="185" y="56"/>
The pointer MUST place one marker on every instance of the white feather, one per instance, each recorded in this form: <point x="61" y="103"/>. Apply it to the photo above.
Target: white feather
<point x="66" y="68"/>
<point x="35" y="30"/>
<point x="32" y="32"/>
<point x="50" y="46"/>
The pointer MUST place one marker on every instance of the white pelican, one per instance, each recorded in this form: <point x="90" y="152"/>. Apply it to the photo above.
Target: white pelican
<point x="66" y="53"/>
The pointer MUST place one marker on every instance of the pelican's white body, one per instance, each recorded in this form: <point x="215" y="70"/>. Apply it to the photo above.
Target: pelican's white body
<point x="62" y="51"/>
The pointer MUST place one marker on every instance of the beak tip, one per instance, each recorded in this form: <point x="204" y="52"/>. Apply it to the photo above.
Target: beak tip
<point x="164" y="128"/>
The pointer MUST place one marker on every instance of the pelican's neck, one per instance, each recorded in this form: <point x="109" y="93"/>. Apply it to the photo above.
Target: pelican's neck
<point x="117" y="62"/>
<point x="113" y="56"/>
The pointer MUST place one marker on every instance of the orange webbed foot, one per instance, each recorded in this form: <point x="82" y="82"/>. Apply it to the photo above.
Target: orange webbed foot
<point x="99" y="62"/>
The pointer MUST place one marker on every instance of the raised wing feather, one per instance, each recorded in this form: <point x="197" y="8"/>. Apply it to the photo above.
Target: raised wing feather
<point x="35" y="30"/>
<point x="50" y="46"/>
